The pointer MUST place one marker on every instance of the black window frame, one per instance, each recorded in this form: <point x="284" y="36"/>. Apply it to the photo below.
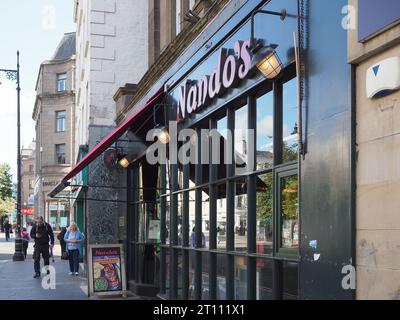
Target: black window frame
<point x="58" y="155"/>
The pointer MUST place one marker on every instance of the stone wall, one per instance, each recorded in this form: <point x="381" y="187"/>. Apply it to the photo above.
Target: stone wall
<point x="103" y="217"/>
<point x="378" y="172"/>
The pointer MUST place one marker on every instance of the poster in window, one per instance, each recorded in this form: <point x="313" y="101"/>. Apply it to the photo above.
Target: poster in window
<point x="154" y="229"/>
<point x="107" y="274"/>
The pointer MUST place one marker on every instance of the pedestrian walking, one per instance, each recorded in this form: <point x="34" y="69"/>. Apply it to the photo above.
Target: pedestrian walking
<point x="60" y="237"/>
<point x="73" y="238"/>
<point x="42" y="233"/>
<point x="7" y="228"/>
<point x="25" y="240"/>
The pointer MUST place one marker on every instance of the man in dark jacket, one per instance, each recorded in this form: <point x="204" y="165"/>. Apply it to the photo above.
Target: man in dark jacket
<point x="42" y="233"/>
<point x="7" y="228"/>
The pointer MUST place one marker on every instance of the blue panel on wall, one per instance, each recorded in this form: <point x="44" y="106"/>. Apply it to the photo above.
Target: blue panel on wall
<point x="375" y="15"/>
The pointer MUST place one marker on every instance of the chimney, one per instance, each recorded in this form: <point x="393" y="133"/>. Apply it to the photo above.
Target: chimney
<point x="124" y="96"/>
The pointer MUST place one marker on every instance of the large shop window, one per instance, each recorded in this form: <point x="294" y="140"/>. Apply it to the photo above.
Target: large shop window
<point x="228" y="220"/>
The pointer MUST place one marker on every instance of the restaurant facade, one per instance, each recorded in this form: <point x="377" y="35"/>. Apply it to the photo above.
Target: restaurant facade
<point x="237" y="158"/>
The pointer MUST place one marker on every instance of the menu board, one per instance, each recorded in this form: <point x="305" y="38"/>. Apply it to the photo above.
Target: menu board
<point x="107" y="272"/>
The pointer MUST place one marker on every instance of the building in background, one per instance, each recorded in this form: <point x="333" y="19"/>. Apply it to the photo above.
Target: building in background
<point x="54" y="116"/>
<point x="374" y="52"/>
<point x="28" y="183"/>
<point x="111" y="50"/>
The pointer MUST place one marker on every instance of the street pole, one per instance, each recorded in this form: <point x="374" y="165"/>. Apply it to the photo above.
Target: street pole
<point x="18" y="255"/>
<point x="14" y="75"/>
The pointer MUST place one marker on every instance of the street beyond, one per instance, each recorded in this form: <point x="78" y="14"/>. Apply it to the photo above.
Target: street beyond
<point x="17" y="282"/>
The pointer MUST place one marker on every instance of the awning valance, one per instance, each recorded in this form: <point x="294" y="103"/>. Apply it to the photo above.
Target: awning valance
<point x="104" y="144"/>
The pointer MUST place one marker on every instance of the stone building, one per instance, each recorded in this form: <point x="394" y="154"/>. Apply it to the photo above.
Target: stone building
<point x="374" y="52"/>
<point x="111" y="50"/>
<point x="28" y="182"/>
<point x="54" y="113"/>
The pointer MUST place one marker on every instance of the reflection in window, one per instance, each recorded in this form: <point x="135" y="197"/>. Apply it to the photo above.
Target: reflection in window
<point x="264" y="279"/>
<point x="265" y="131"/>
<point x="61" y="119"/>
<point x="240" y="278"/>
<point x="60" y="153"/>
<point x="205" y="281"/>
<point x="290" y="280"/>
<point x="240" y="220"/>
<point x="290" y="211"/>
<point x="240" y="138"/>
<point x="221" y="217"/>
<point x="290" y="137"/>
<point x="221" y="277"/>
<point x="264" y="207"/>
<point x="61" y="82"/>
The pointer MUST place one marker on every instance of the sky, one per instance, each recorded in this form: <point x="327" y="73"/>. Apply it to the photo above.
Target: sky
<point x="34" y="27"/>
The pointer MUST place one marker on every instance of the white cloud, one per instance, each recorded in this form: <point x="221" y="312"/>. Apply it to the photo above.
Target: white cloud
<point x="265" y="127"/>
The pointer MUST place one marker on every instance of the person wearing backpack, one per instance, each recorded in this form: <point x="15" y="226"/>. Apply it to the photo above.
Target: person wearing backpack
<point x="42" y="233"/>
<point x="25" y="240"/>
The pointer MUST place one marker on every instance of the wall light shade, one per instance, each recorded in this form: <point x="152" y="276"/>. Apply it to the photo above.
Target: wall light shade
<point x="163" y="135"/>
<point x="124" y="162"/>
<point x="267" y="61"/>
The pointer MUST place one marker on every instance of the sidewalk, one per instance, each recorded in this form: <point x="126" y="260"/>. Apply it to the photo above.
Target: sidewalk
<point x="17" y="282"/>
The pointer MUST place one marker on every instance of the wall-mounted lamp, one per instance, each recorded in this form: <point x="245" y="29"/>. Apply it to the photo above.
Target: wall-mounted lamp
<point x="265" y="58"/>
<point x="124" y="161"/>
<point x="163" y="134"/>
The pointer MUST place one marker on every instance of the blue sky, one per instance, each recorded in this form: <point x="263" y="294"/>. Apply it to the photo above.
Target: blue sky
<point x="34" y="27"/>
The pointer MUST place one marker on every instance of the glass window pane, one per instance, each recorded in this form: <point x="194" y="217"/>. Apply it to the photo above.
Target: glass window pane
<point x="240" y="278"/>
<point x="264" y="213"/>
<point x="167" y="220"/>
<point x="290" y="280"/>
<point x="241" y="139"/>
<point x="290" y="145"/>
<point x="192" y="215"/>
<point x="205" y="218"/>
<point x="264" y="279"/>
<point x="221" y="216"/>
<point x="221" y="144"/>
<point x="179" y="267"/>
<point x="265" y="131"/>
<point x="221" y="277"/>
<point x="289" y="211"/>
<point x="167" y="270"/>
<point x="240" y="221"/>
<point x="205" y="288"/>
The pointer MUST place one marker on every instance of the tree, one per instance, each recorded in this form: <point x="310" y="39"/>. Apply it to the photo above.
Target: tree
<point x="6" y="187"/>
<point x="7" y="203"/>
<point x="7" y="206"/>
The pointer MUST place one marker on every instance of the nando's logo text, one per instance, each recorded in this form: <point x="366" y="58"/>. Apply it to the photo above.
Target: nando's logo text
<point x="233" y="65"/>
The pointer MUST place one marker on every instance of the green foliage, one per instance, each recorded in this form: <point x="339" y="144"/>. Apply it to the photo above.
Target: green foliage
<point x="264" y="199"/>
<point x="7" y="203"/>
<point x="290" y="153"/>
<point x="6" y="187"/>
<point x="290" y="197"/>
<point x="7" y="206"/>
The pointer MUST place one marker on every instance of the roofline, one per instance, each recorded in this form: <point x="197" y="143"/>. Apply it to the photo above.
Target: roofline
<point x="52" y="62"/>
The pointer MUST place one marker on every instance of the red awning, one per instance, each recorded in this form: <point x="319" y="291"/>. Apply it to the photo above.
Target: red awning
<point x="104" y="144"/>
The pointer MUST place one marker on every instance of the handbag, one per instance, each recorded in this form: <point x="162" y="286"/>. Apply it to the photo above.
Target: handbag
<point x="64" y="255"/>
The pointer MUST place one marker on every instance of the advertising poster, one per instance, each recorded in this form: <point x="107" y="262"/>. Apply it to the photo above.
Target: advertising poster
<point x="107" y="269"/>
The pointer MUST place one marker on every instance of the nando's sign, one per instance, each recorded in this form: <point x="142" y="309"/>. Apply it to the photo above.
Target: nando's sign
<point x="233" y="65"/>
